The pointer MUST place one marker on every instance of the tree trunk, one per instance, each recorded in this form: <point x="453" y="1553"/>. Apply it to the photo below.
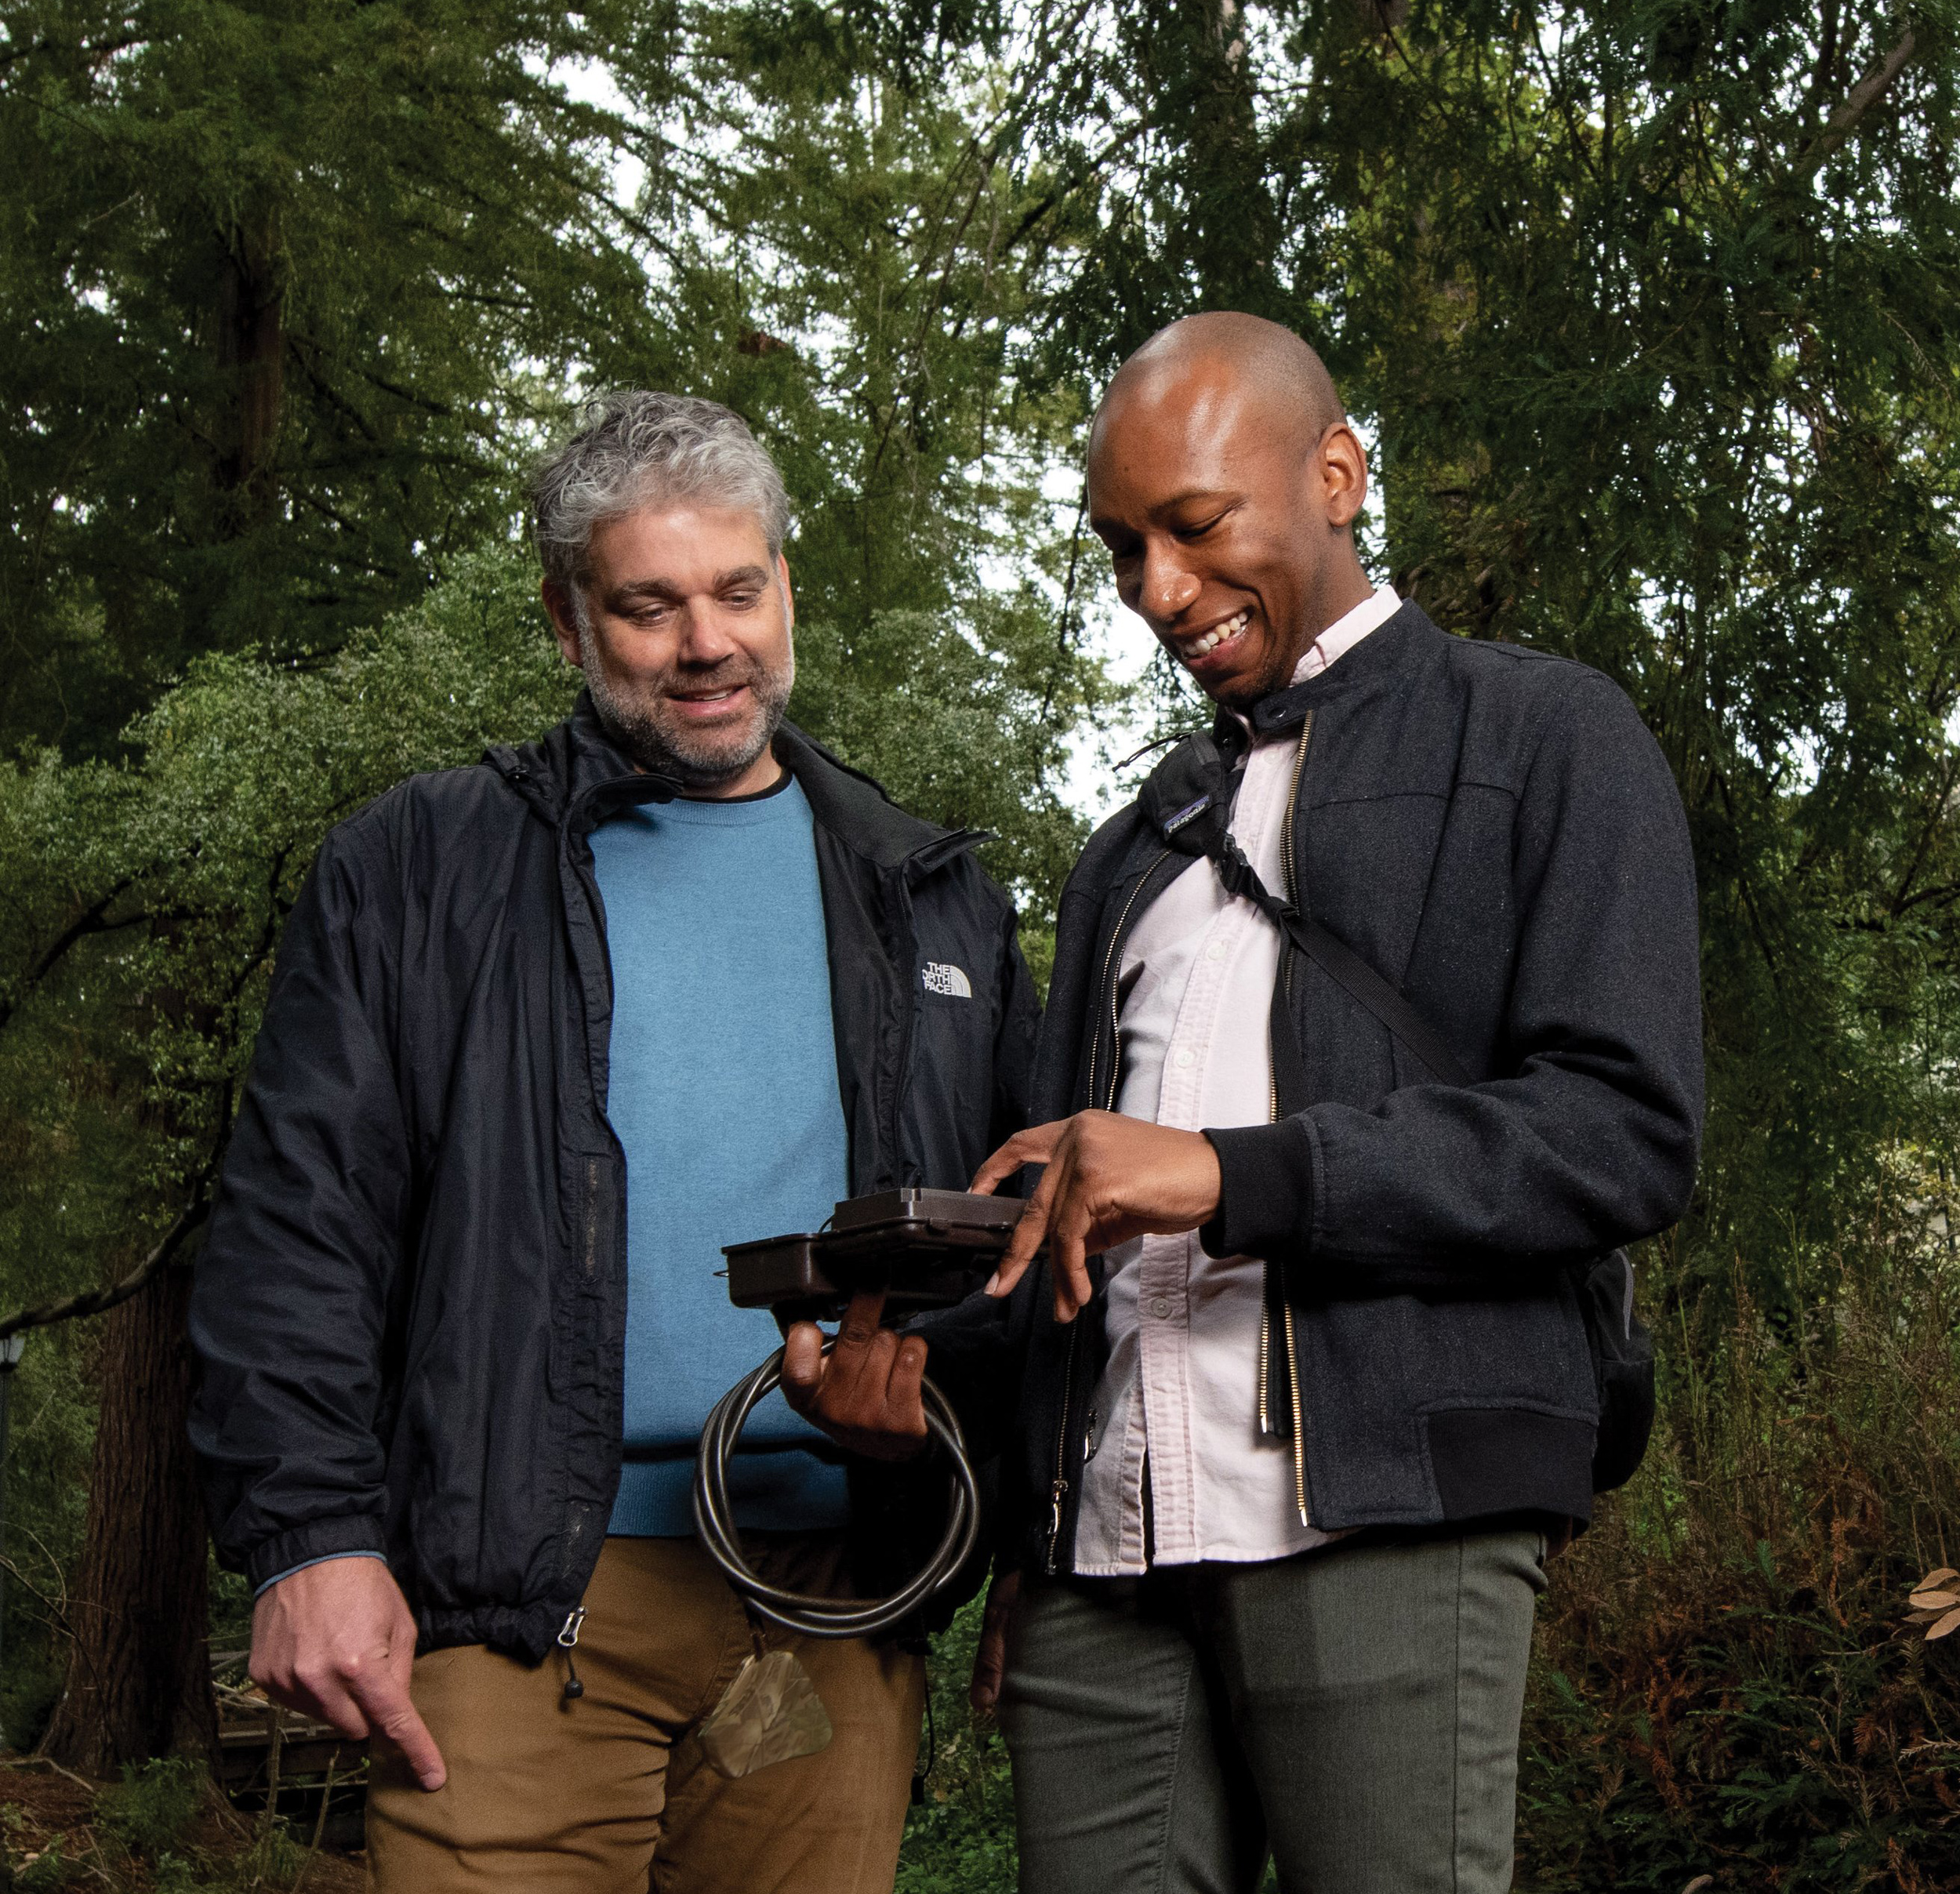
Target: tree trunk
<point x="139" y="1674"/>
<point x="251" y="352"/>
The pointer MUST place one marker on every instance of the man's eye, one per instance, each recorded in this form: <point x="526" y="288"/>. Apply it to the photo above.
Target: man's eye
<point x="1199" y="528"/>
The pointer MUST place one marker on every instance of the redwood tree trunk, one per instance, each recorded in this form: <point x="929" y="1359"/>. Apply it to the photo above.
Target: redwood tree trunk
<point x="139" y="1676"/>
<point x="251" y="352"/>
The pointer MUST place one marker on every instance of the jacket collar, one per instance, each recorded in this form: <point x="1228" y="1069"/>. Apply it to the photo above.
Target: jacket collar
<point x="576" y="768"/>
<point x="1388" y="649"/>
<point x="857" y="810"/>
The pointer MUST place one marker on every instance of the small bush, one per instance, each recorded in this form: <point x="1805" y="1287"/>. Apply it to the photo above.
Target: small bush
<point x="155" y="1802"/>
<point x="49" y="1869"/>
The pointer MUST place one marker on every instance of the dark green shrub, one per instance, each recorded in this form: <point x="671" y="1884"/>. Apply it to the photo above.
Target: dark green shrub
<point x="149" y="1811"/>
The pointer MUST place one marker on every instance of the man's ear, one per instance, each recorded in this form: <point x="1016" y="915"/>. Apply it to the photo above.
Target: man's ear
<point x="558" y="609"/>
<point x="1343" y="474"/>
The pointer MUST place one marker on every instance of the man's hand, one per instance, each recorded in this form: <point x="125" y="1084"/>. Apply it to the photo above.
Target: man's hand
<point x="1108" y="1179"/>
<point x="337" y="1642"/>
<point x="990" y="1660"/>
<point x="865" y="1393"/>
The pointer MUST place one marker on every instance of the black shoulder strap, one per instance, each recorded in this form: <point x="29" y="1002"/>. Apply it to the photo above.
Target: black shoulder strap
<point x="1338" y="960"/>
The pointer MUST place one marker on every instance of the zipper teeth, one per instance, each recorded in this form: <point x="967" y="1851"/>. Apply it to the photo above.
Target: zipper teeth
<point x="1061" y="1483"/>
<point x="1286" y="882"/>
<point x="1299" y="1430"/>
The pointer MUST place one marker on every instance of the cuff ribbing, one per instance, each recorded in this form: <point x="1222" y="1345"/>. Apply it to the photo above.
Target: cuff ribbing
<point x="1265" y="1191"/>
<point x="319" y="1539"/>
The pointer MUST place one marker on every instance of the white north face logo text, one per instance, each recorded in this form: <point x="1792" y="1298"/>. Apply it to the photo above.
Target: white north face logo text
<point x="943" y="976"/>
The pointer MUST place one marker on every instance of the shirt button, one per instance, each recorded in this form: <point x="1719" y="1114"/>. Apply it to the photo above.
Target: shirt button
<point x="1215" y="951"/>
<point x="1185" y="1055"/>
<point x="1160" y="1307"/>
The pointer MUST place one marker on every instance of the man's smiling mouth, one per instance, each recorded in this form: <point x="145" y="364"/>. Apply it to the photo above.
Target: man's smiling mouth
<point x="1207" y="642"/>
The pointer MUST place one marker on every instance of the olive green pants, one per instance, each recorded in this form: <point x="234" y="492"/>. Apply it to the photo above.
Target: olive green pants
<point x="1355" y="1711"/>
<point x="611" y="1793"/>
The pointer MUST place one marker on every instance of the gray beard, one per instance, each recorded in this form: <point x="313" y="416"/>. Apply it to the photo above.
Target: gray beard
<point x="657" y="744"/>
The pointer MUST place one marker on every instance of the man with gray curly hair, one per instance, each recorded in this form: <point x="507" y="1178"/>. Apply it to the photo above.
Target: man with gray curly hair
<point x="638" y="453"/>
<point x="547" y="1034"/>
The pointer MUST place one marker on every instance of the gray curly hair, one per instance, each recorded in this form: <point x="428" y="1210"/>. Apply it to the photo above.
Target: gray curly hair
<point x="635" y="447"/>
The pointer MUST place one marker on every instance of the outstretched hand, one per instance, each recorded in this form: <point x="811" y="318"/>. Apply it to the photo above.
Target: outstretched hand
<point x="864" y="1394"/>
<point x="337" y="1642"/>
<point x="1107" y="1178"/>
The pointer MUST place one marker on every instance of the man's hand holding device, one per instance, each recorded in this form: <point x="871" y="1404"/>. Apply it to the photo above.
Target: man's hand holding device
<point x="865" y="1392"/>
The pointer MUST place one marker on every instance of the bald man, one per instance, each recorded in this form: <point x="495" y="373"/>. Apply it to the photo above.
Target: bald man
<point x="1305" y="1384"/>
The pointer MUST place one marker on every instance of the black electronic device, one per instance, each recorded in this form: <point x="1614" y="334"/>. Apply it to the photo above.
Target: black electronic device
<point x="926" y="1249"/>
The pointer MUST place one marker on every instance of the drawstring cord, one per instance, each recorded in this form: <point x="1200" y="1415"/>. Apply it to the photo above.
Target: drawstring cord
<point x="568" y="1638"/>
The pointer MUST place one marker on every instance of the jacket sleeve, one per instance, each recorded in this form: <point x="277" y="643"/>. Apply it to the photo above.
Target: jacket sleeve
<point x="1587" y="1139"/>
<point x="306" y="1242"/>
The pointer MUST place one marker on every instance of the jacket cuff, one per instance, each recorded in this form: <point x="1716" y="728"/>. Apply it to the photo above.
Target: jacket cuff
<point x="326" y="1559"/>
<point x="1265" y="1191"/>
<point x="305" y="1545"/>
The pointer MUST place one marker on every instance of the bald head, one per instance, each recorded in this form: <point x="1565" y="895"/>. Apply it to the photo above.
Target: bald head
<point x="1225" y="480"/>
<point x="1291" y="384"/>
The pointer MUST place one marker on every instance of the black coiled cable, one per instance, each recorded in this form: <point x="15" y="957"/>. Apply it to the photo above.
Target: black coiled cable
<point x="801" y="1611"/>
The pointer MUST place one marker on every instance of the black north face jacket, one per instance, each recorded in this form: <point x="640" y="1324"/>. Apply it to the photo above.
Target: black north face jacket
<point x="411" y="1306"/>
<point x="1496" y="834"/>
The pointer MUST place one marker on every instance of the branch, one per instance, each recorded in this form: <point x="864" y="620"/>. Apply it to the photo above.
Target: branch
<point x="1866" y="93"/>
<point x="95" y="1301"/>
<point x="91" y="920"/>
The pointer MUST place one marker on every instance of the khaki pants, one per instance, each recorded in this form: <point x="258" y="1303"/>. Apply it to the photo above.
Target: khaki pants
<point x="610" y="1794"/>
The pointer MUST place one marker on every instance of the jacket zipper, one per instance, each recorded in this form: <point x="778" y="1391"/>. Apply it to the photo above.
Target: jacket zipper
<point x="925" y="860"/>
<point x="1058" y="1485"/>
<point x="1289" y="881"/>
<point x="1108" y="986"/>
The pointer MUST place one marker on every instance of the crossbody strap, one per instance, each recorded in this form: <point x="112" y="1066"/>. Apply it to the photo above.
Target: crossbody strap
<point x="1337" y="959"/>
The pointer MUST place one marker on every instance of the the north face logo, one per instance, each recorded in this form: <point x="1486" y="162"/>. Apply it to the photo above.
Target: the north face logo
<point x="943" y="976"/>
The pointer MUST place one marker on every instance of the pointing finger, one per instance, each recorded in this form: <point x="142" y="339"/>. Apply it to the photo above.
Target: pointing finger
<point x="394" y="1716"/>
<point x="1029" y="1233"/>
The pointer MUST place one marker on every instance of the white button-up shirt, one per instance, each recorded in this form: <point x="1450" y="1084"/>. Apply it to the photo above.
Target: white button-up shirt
<point x="1179" y="1397"/>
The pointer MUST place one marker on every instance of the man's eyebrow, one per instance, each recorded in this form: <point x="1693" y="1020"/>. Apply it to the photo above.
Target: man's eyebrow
<point x="1102" y="523"/>
<point x="635" y="590"/>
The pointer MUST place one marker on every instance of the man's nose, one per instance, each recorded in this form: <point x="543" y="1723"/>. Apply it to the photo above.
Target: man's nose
<point x="705" y="638"/>
<point x="1167" y="587"/>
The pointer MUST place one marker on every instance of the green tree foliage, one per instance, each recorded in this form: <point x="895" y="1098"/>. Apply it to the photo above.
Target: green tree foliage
<point x="269" y="272"/>
<point x="1646" y="304"/>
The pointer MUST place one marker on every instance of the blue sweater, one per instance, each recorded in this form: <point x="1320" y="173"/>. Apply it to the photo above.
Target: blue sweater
<point x="723" y="1091"/>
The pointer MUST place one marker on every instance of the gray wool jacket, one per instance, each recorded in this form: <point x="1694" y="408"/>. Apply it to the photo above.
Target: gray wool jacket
<point x="1496" y="833"/>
